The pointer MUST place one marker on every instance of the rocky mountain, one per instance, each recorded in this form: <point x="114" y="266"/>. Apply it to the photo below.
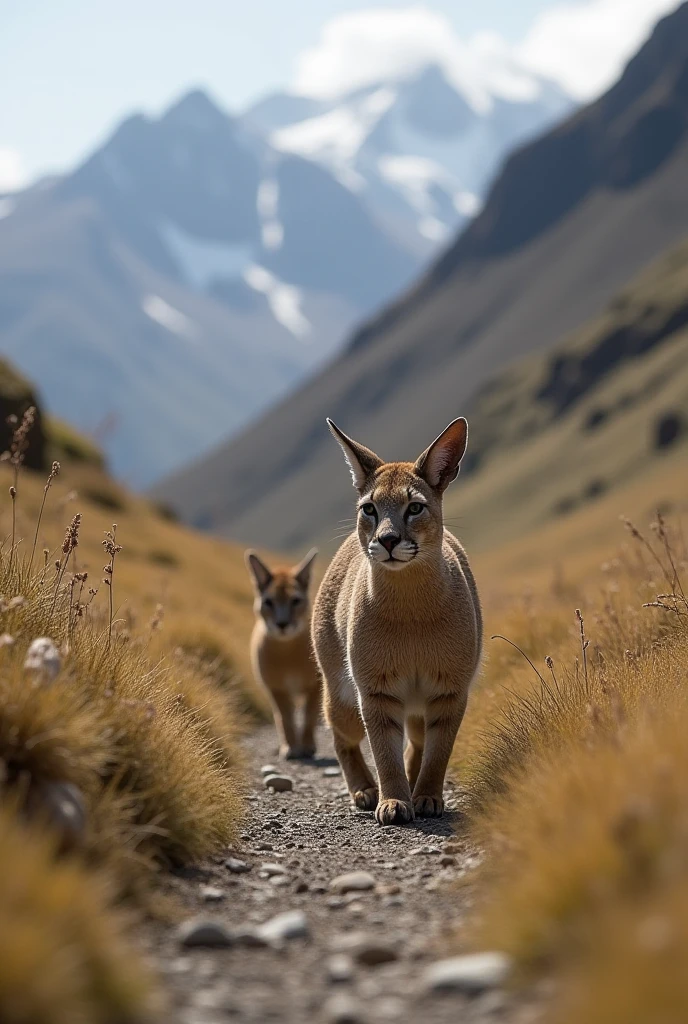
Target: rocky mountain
<point x="570" y="219"/>
<point x="182" y="278"/>
<point x="198" y="266"/>
<point x="421" y="150"/>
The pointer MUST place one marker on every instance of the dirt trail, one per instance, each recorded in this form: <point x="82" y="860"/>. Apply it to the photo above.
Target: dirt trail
<point x="310" y="836"/>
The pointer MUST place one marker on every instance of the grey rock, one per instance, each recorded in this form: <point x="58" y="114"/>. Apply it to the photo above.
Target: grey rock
<point x="366" y="949"/>
<point x="471" y="974"/>
<point x="292" y="924"/>
<point x="250" y="936"/>
<point x="343" y="1009"/>
<point x="204" y="933"/>
<point x="339" y="969"/>
<point x="237" y="867"/>
<point x="447" y="860"/>
<point x="354" y="881"/>
<point x="332" y="773"/>
<point x="269" y="769"/>
<point x="268" y="870"/>
<point x="279" y="783"/>
<point x="211" y="894"/>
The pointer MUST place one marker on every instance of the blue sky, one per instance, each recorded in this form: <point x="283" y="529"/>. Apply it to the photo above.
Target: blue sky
<point x="69" y="69"/>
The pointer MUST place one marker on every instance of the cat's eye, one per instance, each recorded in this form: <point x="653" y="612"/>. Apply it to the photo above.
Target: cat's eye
<point x="415" y="508"/>
<point x="267" y="602"/>
<point x="368" y="509"/>
<point x="296" y="601"/>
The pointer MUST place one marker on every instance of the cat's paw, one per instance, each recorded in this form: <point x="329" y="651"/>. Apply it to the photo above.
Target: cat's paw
<point x="365" y="799"/>
<point x="428" y="806"/>
<point x="394" y="812"/>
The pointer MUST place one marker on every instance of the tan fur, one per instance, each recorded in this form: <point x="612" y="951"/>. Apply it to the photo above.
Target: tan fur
<point x="281" y="651"/>
<point x="399" y="644"/>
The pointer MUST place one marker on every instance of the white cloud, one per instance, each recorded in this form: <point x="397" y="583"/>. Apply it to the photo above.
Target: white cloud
<point x="12" y="175"/>
<point x="584" y="45"/>
<point x="581" y="44"/>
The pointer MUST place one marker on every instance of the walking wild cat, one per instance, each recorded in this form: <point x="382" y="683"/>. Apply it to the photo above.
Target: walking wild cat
<point x="281" y="651"/>
<point x="397" y="629"/>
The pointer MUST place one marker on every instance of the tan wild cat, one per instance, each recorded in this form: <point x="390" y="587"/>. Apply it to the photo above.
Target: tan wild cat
<point x="397" y="629"/>
<point x="281" y="651"/>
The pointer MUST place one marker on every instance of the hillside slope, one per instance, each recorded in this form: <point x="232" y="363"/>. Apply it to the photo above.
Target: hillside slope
<point x="571" y="219"/>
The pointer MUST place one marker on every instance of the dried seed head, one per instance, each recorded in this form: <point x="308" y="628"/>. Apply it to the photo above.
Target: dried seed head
<point x="13" y="492"/>
<point x="549" y="662"/>
<point x="71" y="539"/>
<point x="20" y="436"/>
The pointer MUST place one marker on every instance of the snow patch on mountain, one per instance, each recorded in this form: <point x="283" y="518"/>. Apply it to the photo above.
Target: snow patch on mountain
<point x="284" y="299"/>
<point x="267" y="204"/>
<point x="202" y="261"/>
<point x="155" y="307"/>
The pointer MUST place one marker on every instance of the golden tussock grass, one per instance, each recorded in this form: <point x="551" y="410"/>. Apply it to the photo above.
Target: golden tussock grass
<point x="64" y="955"/>
<point x="118" y="743"/>
<point x="575" y="769"/>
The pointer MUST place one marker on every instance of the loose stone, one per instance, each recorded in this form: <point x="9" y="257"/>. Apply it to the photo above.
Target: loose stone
<point x="342" y="1009"/>
<point x="211" y="894"/>
<point x="471" y="974"/>
<point x="237" y="867"/>
<point x="203" y="933"/>
<point x="279" y="783"/>
<point x="292" y="924"/>
<point x="354" y="881"/>
<point x="339" y="969"/>
<point x="269" y="769"/>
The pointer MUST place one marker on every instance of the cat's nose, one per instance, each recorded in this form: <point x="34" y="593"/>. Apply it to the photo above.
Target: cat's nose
<point x="389" y="541"/>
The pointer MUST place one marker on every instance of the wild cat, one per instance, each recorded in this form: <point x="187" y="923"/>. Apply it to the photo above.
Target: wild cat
<point x="397" y="630"/>
<point x="281" y="651"/>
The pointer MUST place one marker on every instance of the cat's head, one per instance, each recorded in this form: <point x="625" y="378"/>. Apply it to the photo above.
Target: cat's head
<point x="282" y="599"/>
<point x="400" y="503"/>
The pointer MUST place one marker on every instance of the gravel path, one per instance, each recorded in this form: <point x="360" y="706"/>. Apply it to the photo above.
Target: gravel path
<point x="366" y="954"/>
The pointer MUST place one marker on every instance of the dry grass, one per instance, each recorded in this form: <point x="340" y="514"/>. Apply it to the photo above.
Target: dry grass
<point x="576" y="773"/>
<point x="64" y="958"/>
<point x="119" y="743"/>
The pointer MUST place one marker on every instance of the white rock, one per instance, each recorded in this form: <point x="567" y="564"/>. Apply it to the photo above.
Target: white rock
<point x="332" y="772"/>
<point x="471" y="974"/>
<point x="211" y="894"/>
<point x="237" y="867"/>
<point x="292" y="924"/>
<point x="278" y="783"/>
<point x="269" y="769"/>
<point x="354" y="881"/>
<point x="268" y="870"/>
<point x="43" y="660"/>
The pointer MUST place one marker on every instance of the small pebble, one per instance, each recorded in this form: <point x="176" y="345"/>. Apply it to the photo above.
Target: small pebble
<point x="200" y="932"/>
<point x="279" y="783"/>
<point x="248" y="936"/>
<point x="211" y="894"/>
<point x="342" y="1009"/>
<point x="268" y="870"/>
<point x="269" y="769"/>
<point x="366" y="949"/>
<point x="332" y="773"/>
<point x="292" y="924"/>
<point x="447" y="861"/>
<point x="339" y="969"/>
<point x="474" y="973"/>
<point x="237" y="867"/>
<point x="354" y="881"/>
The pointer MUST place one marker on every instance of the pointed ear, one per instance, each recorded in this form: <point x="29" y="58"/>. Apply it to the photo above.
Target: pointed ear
<point x="362" y="462"/>
<point x="259" y="572"/>
<point x="439" y="464"/>
<point x="302" y="571"/>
